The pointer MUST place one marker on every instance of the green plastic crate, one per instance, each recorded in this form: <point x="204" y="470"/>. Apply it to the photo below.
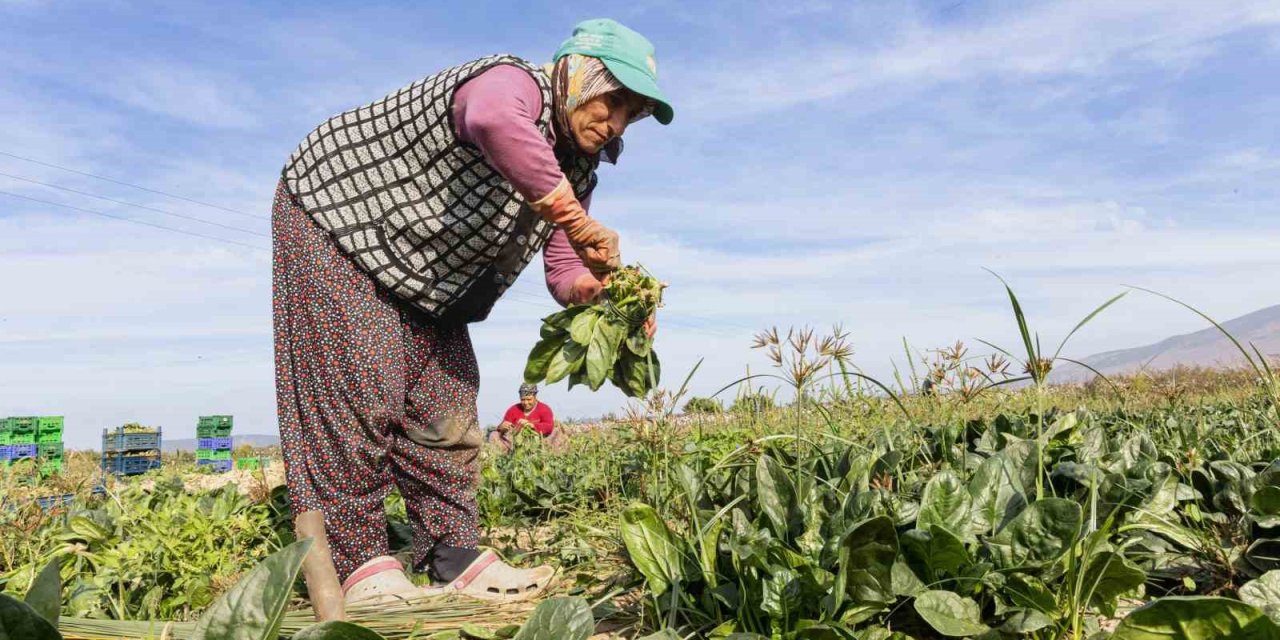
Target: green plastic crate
<point x="213" y="432"/>
<point x="4" y="438"/>
<point x="46" y="437"/>
<point x="22" y="424"/>
<point x="49" y="424"/>
<point x="251" y="464"/>
<point x="22" y="438"/>
<point x="49" y="450"/>
<point x="209" y="454"/>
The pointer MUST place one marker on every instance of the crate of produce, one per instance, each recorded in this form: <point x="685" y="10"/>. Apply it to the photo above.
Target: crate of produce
<point x="49" y="450"/>
<point x="50" y="467"/>
<point x="210" y="454"/>
<point x="122" y="441"/>
<point x="214" y="444"/>
<point x="20" y="451"/>
<point x="218" y="466"/>
<point x="130" y="465"/>
<point x="249" y="464"/>
<point x="46" y="437"/>
<point x="22" y="438"/>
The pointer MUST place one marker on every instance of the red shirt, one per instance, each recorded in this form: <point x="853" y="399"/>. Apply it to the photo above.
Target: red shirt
<point x="543" y="421"/>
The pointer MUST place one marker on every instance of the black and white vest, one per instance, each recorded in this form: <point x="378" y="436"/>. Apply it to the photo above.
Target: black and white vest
<point x="421" y="212"/>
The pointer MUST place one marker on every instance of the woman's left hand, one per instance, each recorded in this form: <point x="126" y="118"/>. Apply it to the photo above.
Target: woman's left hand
<point x="651" y="326"/>
<point x="586" y="288"/>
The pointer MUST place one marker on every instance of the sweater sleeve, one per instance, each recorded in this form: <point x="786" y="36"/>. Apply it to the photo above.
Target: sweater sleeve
<point x="544" y="421"/>
<point x="497" y="111"/>
<point x="561" y="264"/>
<point x="513" y="414"/>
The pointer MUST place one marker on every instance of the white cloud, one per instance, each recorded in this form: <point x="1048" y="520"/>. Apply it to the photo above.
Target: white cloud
<point x="1083" y="38"/>
<point x="185" y="92"/>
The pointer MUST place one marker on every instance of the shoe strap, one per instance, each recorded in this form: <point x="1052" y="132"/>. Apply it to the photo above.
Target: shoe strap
<point x="370" y="570"/>
<point x="483" y="562"/>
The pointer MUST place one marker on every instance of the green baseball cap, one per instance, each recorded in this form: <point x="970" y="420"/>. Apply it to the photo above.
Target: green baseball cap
<point x="627" y="54"/>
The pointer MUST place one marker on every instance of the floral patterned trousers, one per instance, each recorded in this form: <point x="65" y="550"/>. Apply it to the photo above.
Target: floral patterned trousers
<point x="371" y="395"/>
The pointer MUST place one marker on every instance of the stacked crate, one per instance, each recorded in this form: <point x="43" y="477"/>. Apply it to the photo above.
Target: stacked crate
<point x="250" y="464"/>
<point x="49" y="446"/>
<point x="131" y="450"/>
<point x="20" y="439"/>
<point x="4" y="441"/>
<point x="213" y="435"/>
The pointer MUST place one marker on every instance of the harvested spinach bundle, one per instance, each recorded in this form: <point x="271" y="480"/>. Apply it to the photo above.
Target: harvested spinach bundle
<point x="592" y="343"/>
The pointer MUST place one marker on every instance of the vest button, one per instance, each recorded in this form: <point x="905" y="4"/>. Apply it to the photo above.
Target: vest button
<point x="521" y="239"/>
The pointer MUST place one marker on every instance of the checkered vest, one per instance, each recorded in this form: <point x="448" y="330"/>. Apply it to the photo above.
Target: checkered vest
<point x="421" y="212"/>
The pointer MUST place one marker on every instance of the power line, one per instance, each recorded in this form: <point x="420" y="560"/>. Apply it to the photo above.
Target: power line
<point x="677" y="320"/>
<point x="520" y="298"/>
<point x="134" y="186"/>
<point x="706" y="325"/>
<point x="131" y="220"/>
<point x="134" y="204"/>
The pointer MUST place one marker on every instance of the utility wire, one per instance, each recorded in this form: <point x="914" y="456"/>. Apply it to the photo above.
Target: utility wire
<point x="678" y="317"/>
<point x="131" y="220"/>
<point x="707" y="325"/>
<point x="134" y="204"/>
<point x="134" y="186"/>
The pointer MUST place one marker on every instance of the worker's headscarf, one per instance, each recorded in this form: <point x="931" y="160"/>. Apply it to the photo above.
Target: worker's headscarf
<point x="527" y="389"/>
<point x="575" y="80"/>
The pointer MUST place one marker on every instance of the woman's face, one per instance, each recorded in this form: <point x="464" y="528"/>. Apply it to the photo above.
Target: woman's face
<point x="603" y="118"/>
<point x="528" y="402"/>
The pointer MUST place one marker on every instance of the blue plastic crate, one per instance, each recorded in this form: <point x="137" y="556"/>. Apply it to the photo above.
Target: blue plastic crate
<point x="129" y="465"/>
<point x="20" y="451"/>
<point x="53" y="502"/>
<point x="219" y="466"/>
<point x="216" y="444"/>
<point x="5" y="452"/>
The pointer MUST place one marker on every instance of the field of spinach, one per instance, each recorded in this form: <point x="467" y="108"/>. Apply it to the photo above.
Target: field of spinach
<point x="967" y="498"/>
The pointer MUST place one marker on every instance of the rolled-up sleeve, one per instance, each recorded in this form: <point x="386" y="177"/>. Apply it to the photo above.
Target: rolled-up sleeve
<point x="497" y="112"/>
<point x="561" y="264"/>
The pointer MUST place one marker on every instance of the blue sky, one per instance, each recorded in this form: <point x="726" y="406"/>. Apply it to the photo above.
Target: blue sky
<point x="859" y="163"/>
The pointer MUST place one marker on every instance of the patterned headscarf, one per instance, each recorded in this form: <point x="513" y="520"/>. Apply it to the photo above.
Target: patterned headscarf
<point x="527" y="389"/>
<point x="575" y="80"/>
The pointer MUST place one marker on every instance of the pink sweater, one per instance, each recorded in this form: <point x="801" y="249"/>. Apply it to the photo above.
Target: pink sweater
<point x="497" y="112"/>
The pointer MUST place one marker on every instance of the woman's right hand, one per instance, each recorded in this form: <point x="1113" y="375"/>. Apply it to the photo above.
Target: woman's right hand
<point x="597" y="245"/>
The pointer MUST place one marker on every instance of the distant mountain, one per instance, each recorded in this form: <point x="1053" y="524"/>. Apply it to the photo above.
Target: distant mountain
<point x="251" y="439"/>
<point x="1205" y="348"/>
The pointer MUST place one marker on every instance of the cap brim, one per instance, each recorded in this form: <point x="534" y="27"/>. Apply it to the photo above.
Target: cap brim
<point x="643" y="84"/>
